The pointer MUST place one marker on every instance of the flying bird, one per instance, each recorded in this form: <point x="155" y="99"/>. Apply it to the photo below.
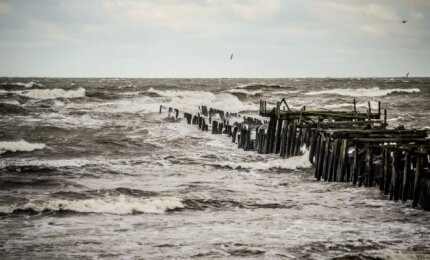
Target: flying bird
<point x="231" y="56"/>
<point x="407" y="75"/>
<point x="404" y="21"/>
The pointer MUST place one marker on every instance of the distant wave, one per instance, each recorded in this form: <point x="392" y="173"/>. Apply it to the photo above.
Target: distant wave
<point x="258" y="86"/>
<point x="20" y="84"/>
<point x="19" y="146"/>
<point x="292" y="163"/>
<point x="54" y="93"/>
<point x="245" y="92"/>
<point x="49" y="93"/>
<point x="373" y="104"/>
<point x="363" y="92"/>
<point x="190" y="100"/>
<point x="120" y="205"/>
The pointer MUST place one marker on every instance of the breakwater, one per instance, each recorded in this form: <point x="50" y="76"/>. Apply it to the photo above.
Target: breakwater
<point x="344" y="146"/>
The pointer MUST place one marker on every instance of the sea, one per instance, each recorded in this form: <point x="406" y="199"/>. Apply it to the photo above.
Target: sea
<point x="90" y="169"/>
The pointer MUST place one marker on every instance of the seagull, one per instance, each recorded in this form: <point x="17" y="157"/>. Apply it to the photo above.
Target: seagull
<point x="404" y="21"/>
<point x="231" y="56"/>
<point x="407" y="75"/>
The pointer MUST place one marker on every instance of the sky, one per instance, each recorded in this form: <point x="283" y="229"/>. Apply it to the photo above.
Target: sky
<point x="194" y="38"/>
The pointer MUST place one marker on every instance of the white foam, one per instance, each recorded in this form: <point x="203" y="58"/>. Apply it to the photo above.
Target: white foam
<point x="25" y="85"/>
<point x="19" y="146"/>
<point x="256" y="84"/>
<point x="245" y="92"/>
<point x="190" y="100"/>
<point x="297" y="162"/>
<point x="53" y="93"/>
<point x="362" y="92"/>
<point x="373" y="104"/>
<point x="114" y="205"/>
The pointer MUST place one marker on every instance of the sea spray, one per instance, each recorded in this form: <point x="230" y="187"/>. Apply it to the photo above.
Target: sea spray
<point x="19" y="146"/>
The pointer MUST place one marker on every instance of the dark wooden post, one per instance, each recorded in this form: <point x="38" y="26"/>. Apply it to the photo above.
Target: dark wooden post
<point x="417" y="181"/>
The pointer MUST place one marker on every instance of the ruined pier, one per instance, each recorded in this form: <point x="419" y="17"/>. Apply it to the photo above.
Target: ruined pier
<point x="344" y="146"/>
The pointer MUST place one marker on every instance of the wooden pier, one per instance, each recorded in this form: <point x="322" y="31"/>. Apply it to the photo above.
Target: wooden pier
<point x="344" y="146"/>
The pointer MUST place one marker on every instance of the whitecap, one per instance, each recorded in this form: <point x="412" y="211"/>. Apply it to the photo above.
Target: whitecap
<point x="373" y="104"/>
<point x="190" y="100"/>
<point x="25" y="85"/>
<point x="245" y="92"/>
<point x="19" y="146"/>
<point x="53" y="93"/>
<point x="120" y="205"/>
<point x="362" y="92"/>
<point x="292" y="163"/>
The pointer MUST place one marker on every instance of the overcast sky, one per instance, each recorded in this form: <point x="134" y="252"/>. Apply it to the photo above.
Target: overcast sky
<point x="194" y="38"/>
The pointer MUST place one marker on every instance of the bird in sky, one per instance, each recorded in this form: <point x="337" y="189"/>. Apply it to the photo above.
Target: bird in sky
<point x="404" y="21"/>
<point x="231" y="56"/>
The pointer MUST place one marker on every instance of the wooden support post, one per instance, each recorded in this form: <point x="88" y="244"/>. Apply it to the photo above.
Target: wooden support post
<point x="385" y="117"/>
<point x="394" y="191"/>
<point x="298" y="142"/>
<point x="355" y="106"/>
<point x="320" y="157"/>
<point x="387" y="171"/>
<point x="292" y="139"/>
<point x="417" y="181"/>
<point x="332" y="160"/>
<point x="278" y="136"/>
<point x="326" y="158"/>
<point x="406" y="170"/>
<point x="343" y="161"/>
<point x="312" y="147"/>
<point x="355" y="165"/>
<point x="283" y="138"/>
<point x="369" y="166"/>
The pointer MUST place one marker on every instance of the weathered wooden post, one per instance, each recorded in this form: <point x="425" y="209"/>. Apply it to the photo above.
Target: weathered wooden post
<point x="417" y="181"/>
<point x="406" y="169"/>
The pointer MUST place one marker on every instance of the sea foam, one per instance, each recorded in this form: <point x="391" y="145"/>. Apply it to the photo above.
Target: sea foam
<point x="53" y="93"/>
<point x="120" y="205"/>
<point x="25" y="85"/>
<point x="362" y="92"/>
<point x="292" y="163"/>
<point x="19" y="146"/>
<point x="189" y="100"/>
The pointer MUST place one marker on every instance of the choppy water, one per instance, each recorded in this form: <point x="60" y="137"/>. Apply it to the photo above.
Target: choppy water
<point x="88" y="168"/>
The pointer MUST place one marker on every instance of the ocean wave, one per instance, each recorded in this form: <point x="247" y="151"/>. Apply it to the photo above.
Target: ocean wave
<point x="48" y="93"/>
<point x="19" y="146"/>
<point x="54" y="93"/>
<point x="20" y="84"/>
<point x="292" y="163"/>
<point x="190" y="100"/>
<point x="245" y="92"/>
<point x="363" y="92"/>
<point x="258" y="86"/>
<point x="119" y="205"/>
<point x="373" y="104"/>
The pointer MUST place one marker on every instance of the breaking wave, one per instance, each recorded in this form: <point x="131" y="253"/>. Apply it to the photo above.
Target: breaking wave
<point x="49" y="93"/>
<point x="54" y="93"/>
<point x="373" y="104"/>
<point x="292" y="163"/>
<point x="190" y="100"/>
<point x="245" y="92"/>
<point x="20" y="84"/>
<point x="119" y="205"/>
<point x="363" y="92"/>
<point x="19" y="146"/>
<point x="258" y="86"/>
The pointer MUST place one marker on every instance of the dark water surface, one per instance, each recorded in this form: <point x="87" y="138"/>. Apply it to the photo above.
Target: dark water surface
<point x="88" y="168"/>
